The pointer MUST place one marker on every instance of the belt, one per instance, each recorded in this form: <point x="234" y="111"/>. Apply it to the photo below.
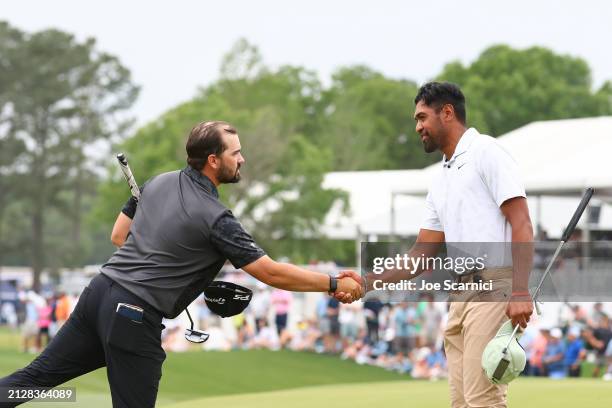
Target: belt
<point x="479" y="275"/>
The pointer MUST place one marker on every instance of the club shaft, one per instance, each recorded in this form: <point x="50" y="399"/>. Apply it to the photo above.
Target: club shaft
<point x="536" y="293"/>
<point x="586" y="197"/>
<point x="189" y="316"/>
<point x="511" y="337"/>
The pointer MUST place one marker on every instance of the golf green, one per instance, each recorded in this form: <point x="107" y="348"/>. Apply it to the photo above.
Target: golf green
<point x="279" y="379"/>
<point x="524" y="393"/>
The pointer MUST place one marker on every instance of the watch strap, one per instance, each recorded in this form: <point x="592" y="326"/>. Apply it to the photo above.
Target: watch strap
<point x="333" y="284"/>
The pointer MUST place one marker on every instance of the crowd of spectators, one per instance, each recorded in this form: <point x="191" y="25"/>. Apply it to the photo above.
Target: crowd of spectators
<point x="37" y="317"/>
<point x="560" y="352"/>
<point x="406" y="337"/>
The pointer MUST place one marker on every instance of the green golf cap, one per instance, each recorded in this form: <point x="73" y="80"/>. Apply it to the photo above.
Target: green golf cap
<point x="496" y="370"/>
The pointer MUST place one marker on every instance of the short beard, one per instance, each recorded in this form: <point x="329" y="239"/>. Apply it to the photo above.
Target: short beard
<point x="226" y="176"/>
<point x="430" y="146"/>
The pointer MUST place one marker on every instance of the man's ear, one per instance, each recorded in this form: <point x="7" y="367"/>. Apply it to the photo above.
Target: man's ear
<point x="447" y="112"/>
<point x="213" y="161"/>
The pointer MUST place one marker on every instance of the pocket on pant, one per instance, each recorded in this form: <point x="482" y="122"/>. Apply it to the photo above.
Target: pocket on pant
<point x="125" y="334"/>
<point x="500" y="293"/>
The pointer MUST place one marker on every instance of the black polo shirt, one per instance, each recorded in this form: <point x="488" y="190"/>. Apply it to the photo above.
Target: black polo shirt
<point x="179" y="239"/>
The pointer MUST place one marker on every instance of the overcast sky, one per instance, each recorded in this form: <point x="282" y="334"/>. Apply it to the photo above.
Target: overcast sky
<point x="174" y="47"/>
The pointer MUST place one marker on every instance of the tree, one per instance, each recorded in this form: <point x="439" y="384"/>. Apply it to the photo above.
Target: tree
<point x="507" y="88"/>
<point x="11" y="150"/>
<point x="293" y="130"/>
<point x="369" y="124"/>
<point x="58" y="97"/>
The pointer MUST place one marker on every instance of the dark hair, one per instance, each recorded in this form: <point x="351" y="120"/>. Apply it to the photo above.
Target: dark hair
<point x="206" y="139"/>
<point x="437" y="94"/>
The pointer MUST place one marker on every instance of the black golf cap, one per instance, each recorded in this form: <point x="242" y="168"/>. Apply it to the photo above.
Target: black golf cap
<point x="227" y="299"/>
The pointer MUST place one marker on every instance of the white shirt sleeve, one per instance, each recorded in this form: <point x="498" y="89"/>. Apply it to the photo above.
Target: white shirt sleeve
<point x="432" y="221"/>
<point x="501" y="174"/>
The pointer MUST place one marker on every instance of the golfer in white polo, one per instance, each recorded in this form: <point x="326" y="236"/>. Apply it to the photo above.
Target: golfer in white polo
<point x="475" y="197"/>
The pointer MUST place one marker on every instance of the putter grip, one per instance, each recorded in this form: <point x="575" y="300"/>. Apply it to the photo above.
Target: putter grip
<point x="129" y="177"/>
<point x="588" y="193"/>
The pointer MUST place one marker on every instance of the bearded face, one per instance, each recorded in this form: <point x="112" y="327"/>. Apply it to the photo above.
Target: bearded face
<point x="230" y="160"/>
<point x="229" y="172"/>
<point x="429" y="126"/>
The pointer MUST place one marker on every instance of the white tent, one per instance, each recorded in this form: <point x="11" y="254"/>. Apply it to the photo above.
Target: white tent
<point x="556" y="158"/>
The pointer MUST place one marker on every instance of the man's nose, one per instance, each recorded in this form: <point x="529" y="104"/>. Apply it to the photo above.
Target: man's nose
<point x="419" y="127"/>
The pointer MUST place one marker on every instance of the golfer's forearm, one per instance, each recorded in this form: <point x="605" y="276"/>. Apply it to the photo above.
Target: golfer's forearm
<point x="522" y="256"/>
<point x="293" y="278"/>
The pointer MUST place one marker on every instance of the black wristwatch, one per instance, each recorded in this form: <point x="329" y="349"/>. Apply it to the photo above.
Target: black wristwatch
<point x="333" y="284"/>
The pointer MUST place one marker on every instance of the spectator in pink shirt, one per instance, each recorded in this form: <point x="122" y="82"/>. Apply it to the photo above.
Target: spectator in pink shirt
<point x="281" y="302"/>
<point x="538" y="348"/>
<point x="44" y="321"/>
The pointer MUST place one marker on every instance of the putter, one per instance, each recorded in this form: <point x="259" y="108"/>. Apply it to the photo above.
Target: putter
<point x="586" y="197"/>
<point x="192" y="335"/>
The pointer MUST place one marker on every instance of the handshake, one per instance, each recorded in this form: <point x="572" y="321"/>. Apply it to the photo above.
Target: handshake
<point x="350" y="287"/>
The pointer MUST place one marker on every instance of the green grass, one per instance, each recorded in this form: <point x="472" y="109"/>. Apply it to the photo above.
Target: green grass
<point x="524" y="393"/>
<point x="192" y="374"/>
<point x="278" y="379"/>
<point x="198" y="374"/>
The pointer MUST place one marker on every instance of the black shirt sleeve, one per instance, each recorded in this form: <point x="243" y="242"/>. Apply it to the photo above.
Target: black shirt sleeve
<point x="130" y="206"/>
<point x="237" y="245"/>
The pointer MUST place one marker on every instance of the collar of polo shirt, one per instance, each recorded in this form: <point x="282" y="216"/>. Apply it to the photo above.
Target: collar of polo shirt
<point x="464" y="144"/>
<point x="201" y="180"/>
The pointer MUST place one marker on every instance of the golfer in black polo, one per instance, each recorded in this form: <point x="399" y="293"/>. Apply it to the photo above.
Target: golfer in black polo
<point x="178" y="241"/>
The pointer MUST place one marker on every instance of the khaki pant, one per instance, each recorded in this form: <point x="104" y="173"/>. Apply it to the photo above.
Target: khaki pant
<point x="471" y="325"/>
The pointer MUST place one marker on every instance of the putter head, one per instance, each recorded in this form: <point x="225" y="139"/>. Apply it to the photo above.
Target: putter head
<point x="501" y="369"/>
<point x="196" y="336"/>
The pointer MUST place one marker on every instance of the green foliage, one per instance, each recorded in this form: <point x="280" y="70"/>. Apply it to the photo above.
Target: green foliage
<point x="279" y="199"/>
<point x="293" y="131"/>
<point x="507" y="88"/>
<point x="58" y="96"/>
<point x="369" y="124"/>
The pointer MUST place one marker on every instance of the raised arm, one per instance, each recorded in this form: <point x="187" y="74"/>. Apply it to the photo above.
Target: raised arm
<point x="124" y="221"/>
<point x="293" y="278"/>
<point x="120" y="229"/>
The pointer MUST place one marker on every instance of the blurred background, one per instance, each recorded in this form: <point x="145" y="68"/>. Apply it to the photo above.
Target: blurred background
<point x="322" y="96"/>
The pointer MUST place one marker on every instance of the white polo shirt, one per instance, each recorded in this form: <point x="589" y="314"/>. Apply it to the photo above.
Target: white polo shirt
<point x="467" y="191"/>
